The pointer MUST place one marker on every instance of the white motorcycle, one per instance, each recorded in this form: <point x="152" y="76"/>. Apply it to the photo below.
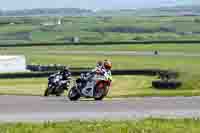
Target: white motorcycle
<point x="95" y="86"/>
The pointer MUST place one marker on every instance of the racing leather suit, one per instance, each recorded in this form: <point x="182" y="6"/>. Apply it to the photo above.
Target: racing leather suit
<point x="99" y="70"/>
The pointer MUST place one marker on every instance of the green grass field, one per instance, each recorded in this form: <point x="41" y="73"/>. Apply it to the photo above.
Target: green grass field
<point x="187" y="48"/>
<point x="85" y="27"/>
<point x="93" y="29"/>
<point x="121" y="86"/>
<point x="141" y="126"/>
<point x="137" y="85"/>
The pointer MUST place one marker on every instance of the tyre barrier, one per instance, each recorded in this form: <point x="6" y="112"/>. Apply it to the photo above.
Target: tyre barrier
<point x="50" y="68"/>
<point x="166" y="84"/>
<point x="78" y="72"/>
<point x="25" y="75"/>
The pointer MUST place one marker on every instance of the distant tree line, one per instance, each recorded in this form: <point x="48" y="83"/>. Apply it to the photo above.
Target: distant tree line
<point x="46" y="11"/>
<point x="1" y="13"/>
<point x="127" y="29"/>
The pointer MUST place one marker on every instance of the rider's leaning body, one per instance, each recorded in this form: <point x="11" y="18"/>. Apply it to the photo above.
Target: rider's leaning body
<point x="102" y="68"/>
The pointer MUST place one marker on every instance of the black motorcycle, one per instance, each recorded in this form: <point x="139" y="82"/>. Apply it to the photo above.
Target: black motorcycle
<point x="56" y="85"/>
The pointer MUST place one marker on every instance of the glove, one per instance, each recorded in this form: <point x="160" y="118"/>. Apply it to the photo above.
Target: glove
<point x="100" y="72"/>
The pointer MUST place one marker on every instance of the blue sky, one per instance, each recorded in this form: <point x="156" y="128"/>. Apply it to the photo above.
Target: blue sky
<point x="91" y="4"/>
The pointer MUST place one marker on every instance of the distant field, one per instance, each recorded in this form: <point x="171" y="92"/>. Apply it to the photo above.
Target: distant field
<point x="141" y="126"/>
<point x="93" y="29"/>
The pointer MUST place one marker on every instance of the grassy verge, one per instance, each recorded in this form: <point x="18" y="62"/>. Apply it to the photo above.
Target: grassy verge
<point x="187" y="66"/>
<point x="122" y="86"/>
<point x="160" y="47"/>
<point x="119" y="62"/>
<point x="142" y="126"/>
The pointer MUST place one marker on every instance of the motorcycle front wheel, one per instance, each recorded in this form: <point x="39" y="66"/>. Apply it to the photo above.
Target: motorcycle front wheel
<point x="49" y="91"/>
<point x="73" y="94"/>
<point x="99" y="94"/>
<point x="46" y="92"/>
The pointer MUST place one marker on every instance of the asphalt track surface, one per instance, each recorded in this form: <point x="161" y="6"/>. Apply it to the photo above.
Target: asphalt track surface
<point x="127" y="53"/>
<point x="39" y="109"/>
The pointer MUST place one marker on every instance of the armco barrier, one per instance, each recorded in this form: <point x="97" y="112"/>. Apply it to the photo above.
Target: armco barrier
<point x="77" y="73"/>
<point x="101" y="43"/>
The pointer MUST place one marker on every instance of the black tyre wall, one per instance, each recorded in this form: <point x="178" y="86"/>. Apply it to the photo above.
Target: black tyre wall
<point x="166" y="85"/>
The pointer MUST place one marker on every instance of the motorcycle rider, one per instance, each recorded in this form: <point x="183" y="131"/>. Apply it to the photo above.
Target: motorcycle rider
<point x="103" y="68"/>
<point x="106" y="69"/>
<point x="98" y="66"/>
<point x="65" y="74"/>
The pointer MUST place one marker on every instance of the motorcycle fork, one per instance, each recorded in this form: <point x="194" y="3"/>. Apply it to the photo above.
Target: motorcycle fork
<point x="78" y="89"/>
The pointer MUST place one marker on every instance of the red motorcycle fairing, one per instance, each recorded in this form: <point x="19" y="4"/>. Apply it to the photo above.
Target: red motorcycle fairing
<point x="101" y="84"/>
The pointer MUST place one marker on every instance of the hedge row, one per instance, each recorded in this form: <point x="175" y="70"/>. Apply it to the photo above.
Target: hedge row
<point x="101" y="43"/>
<point x="77" y="73"/>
